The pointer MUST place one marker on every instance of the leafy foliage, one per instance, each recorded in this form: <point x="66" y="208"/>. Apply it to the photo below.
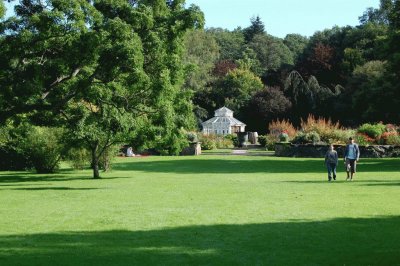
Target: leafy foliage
<point x="79" y="158"/>
<point x="99" y="68"/>
<point x="208" y="142"/>
<point x="43" y="148"/>
<point x="271" y="52"/>
<point x="12" y="152"/>
<point x="307" y="137"/>
<point x="372" y="131"/>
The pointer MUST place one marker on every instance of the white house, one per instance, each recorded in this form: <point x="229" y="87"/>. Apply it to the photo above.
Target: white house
<point x="223" y="123"/>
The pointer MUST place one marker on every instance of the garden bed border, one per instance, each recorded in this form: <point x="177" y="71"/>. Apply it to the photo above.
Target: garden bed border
<point x="319" y="151"/>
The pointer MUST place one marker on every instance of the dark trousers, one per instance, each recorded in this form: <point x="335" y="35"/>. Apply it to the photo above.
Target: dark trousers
<point x="331" y="170"/>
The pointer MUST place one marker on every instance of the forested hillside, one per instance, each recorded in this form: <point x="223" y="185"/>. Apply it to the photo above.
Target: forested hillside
<point x="348" y="74"/>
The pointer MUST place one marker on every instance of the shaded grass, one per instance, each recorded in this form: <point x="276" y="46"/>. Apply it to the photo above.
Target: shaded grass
<point x="216" y="210"/>
<point x="290" y="243"/>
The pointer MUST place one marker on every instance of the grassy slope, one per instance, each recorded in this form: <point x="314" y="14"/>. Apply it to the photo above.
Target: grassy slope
<point x="203" y="210"/>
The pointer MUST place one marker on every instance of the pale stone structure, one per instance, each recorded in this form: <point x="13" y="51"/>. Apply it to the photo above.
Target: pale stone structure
<point x="223" y="123"/>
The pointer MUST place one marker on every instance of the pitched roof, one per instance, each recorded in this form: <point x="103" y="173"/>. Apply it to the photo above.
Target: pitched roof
<point x="223" y="111"/>
<point x="224" y="115"/>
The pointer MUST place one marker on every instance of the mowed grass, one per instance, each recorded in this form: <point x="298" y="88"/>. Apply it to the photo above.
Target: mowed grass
<point x="213" y="210"/>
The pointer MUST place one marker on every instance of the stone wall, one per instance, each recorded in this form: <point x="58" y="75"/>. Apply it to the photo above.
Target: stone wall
<point x="318" y="151"/>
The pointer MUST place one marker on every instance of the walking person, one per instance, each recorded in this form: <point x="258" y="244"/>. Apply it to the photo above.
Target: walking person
<point x="351" y="157"/>
<point x="331" y="162"/>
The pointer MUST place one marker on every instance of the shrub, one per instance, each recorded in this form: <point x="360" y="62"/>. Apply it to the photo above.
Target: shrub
<point x="267" y="141"/>
<point x="208" y="142"/>
<point x="262" y="139"/>
<point x="79" y="158"/>
<point x="107" y="157"/>
<point x="43" y="148"/>
<point x="391" y="128"/>
<point x="390" y="138"/>
<point x="277" y="127"/>
<point x="364" y="139"/>
<point x="11" y="159"/>
<point x="393" y="140"/>
<point x="372" y="131"/>
<point x="271" y="140"/>
<point x="341" y="136"/>
<point x="192" y="136"/>
<point x="12" y="156"/>
<point x="324" y="127"/>
<point x="283" y="137"/>
<point x="233" y="138"/>
<point x="307" y="137"/>
<point x="224" y="143"/>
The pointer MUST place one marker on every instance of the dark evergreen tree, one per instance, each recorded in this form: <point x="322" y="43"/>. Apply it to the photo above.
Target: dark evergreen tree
<point x="256" y="27"/>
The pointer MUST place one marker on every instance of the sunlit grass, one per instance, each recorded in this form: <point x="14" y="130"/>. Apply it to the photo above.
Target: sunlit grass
<point x="203" y="210"/>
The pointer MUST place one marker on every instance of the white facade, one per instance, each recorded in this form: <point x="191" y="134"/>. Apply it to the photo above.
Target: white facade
<point x="223" y="123"/>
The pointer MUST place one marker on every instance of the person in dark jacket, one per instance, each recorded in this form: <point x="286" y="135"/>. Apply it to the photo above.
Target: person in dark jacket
<point x="331" y="162"/>
<point x="351" y="157"/>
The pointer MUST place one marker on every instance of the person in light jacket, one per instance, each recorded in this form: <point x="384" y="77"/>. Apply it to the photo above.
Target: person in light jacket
<point x="351" y="157"/>
<point x="331" y="162"/>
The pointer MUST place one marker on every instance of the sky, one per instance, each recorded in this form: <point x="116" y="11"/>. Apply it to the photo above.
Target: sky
<point x="281" y="17"/>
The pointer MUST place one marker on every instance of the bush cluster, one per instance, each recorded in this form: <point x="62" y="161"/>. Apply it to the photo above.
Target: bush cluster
<point x="378" y="134"/>
<point x="324" y="128"/>
<point x="43" y="147"/>
<point x="374" y="131"/>
<point x="276" y="128"/>
<point x="25" y="146"/>
<point x="324" y="131"/>
<point x="267" y="141"/>
<point x="211" y="142"/>
<point x="79" y="158"/>
<point x="307" y="137"/>
<point x="12" y="156"/>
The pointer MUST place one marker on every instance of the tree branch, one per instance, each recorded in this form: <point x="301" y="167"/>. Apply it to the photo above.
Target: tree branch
<point x="59" y="80"/>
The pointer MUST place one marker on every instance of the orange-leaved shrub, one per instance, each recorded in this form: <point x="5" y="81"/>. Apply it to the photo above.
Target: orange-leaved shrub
<point x="324" y="127"/>
<point x="279" y="126"/>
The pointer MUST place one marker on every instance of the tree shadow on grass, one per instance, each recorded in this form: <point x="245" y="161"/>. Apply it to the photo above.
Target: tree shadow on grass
<point x="359" y="241"/>
<point x="18" y="177"/>
<point x="283" y="165"/>
<point x="196" y="165"/>
<point x="50" y="188"/>
<point x="11" y="179"/>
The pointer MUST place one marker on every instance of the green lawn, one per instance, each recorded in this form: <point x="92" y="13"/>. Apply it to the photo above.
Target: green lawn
<point x="214" y="210"/>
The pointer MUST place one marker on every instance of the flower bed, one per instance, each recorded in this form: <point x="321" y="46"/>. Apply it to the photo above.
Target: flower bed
<point x="318" y="151"/>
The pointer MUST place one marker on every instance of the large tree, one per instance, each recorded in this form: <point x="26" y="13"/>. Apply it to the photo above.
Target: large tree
<point x="378" y="15"/>
<point x="236" y="89"/>
<point x="98" y="66"/>
<point x="257" y="27"/>
<point x="230" y="43"/>
<point x="201" y="54"/>
<point x="271" y="52"/>
<point x="265" y="106"/>
<point x="296" y="44"/>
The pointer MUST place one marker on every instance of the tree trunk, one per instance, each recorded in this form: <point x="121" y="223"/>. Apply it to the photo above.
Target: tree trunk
<point x="95" y="163"/>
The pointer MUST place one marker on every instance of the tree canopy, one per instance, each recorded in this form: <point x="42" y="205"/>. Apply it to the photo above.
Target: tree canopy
<point x="98" y="68"/>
